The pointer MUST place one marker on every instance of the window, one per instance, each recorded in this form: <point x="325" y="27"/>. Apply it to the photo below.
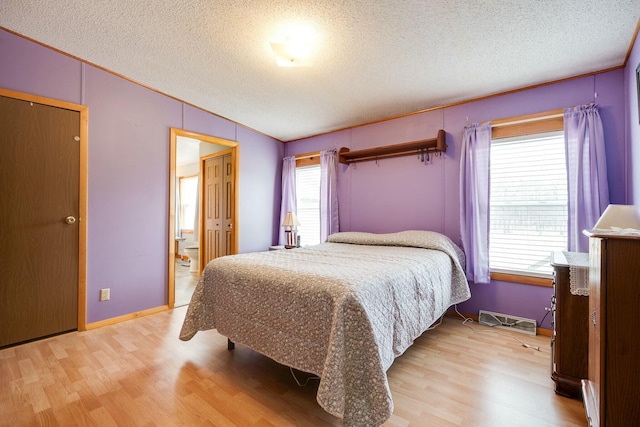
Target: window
<point x="188" y="196"/>
<point x="308" y="203"/>
<point x="528" y="203"/>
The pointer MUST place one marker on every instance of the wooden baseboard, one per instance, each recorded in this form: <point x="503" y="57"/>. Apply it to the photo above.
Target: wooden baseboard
<point x="544" y="332"/>
<point x="452" y="313"/>
<point x="118" y="319"/>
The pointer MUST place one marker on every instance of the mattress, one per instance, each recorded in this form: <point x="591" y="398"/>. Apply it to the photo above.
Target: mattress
<point x="343" y="310"/>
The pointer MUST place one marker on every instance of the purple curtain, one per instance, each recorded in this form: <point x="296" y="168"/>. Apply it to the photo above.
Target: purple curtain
<point x="329" y="222"/>
<point x="474" y="200"/>
<point x="587" y="186"/>
<point x="288" y="193"/>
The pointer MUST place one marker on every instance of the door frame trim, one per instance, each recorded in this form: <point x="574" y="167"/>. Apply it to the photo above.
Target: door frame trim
<point x="235" y="159"/>
<point x="82" y="190"/>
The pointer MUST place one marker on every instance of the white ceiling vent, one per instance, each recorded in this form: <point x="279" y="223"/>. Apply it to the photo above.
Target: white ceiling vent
<point x="505" y="321"/>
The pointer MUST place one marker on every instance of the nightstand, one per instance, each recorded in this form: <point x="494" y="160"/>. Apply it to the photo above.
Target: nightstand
<point x="570" y="340"/>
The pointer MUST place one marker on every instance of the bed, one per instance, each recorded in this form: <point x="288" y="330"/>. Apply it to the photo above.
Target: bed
<point x="342" y="310"/>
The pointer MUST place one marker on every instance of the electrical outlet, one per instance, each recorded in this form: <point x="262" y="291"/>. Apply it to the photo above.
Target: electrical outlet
<point x="105" y="294"/>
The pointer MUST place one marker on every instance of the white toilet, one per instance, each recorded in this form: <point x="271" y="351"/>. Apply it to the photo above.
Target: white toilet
<point x="194" y="257"/>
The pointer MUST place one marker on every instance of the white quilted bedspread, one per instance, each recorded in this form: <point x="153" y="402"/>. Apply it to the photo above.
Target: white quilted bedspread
<point x="343" y="310"/>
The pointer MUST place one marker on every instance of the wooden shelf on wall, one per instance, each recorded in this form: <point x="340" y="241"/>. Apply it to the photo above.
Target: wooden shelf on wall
<point x="432" y="145"/>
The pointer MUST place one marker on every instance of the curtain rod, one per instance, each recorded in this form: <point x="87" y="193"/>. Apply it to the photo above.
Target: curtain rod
<point x="528" y="118"/>
<point x="307" y="155"/>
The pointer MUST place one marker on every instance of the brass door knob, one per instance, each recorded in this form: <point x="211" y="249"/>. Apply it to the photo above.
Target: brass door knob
<point x="70" y="220"/>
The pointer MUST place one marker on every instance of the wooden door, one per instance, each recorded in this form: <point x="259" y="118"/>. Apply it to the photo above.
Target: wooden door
<point x="39" y="189"/>
<point x="227" y="206"/>
<point x="218" y="205"/>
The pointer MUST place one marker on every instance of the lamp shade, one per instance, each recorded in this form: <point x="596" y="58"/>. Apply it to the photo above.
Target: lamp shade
<point x="290" y="220"/>
<point x="619" y="216"/>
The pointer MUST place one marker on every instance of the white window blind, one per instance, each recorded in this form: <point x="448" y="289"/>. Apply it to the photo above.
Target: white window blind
<point x="308" y="202"/>
<point x="528" y="203"/>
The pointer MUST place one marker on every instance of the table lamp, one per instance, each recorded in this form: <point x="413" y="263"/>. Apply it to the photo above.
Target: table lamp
<point x="290" y="222"/>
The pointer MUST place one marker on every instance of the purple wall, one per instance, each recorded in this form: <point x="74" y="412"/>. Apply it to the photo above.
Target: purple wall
<point x="633" y="126"/>
<point x="402" y="193"/>
<point x="128" y="172"/>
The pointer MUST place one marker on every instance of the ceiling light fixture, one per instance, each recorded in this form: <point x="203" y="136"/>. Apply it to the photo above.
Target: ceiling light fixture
<point x="292" y="53"/>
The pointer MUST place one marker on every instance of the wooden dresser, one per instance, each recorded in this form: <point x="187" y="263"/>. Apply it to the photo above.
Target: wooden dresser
<point x="570" y="340"/>
<point x="612" y="390"/>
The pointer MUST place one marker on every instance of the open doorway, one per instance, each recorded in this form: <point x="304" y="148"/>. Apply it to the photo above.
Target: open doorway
<point x="191" y="208"/>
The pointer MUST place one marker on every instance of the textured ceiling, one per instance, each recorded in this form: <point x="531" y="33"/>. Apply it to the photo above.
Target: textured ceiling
<point x="372" y="59"/>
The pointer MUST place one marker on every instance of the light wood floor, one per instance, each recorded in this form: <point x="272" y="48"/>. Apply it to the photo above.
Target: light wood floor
<point x="184" y="284"/>
<point x="137" y="373"/>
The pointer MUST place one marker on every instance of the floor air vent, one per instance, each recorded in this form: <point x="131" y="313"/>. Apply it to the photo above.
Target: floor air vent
<point x="505" y="321"/>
